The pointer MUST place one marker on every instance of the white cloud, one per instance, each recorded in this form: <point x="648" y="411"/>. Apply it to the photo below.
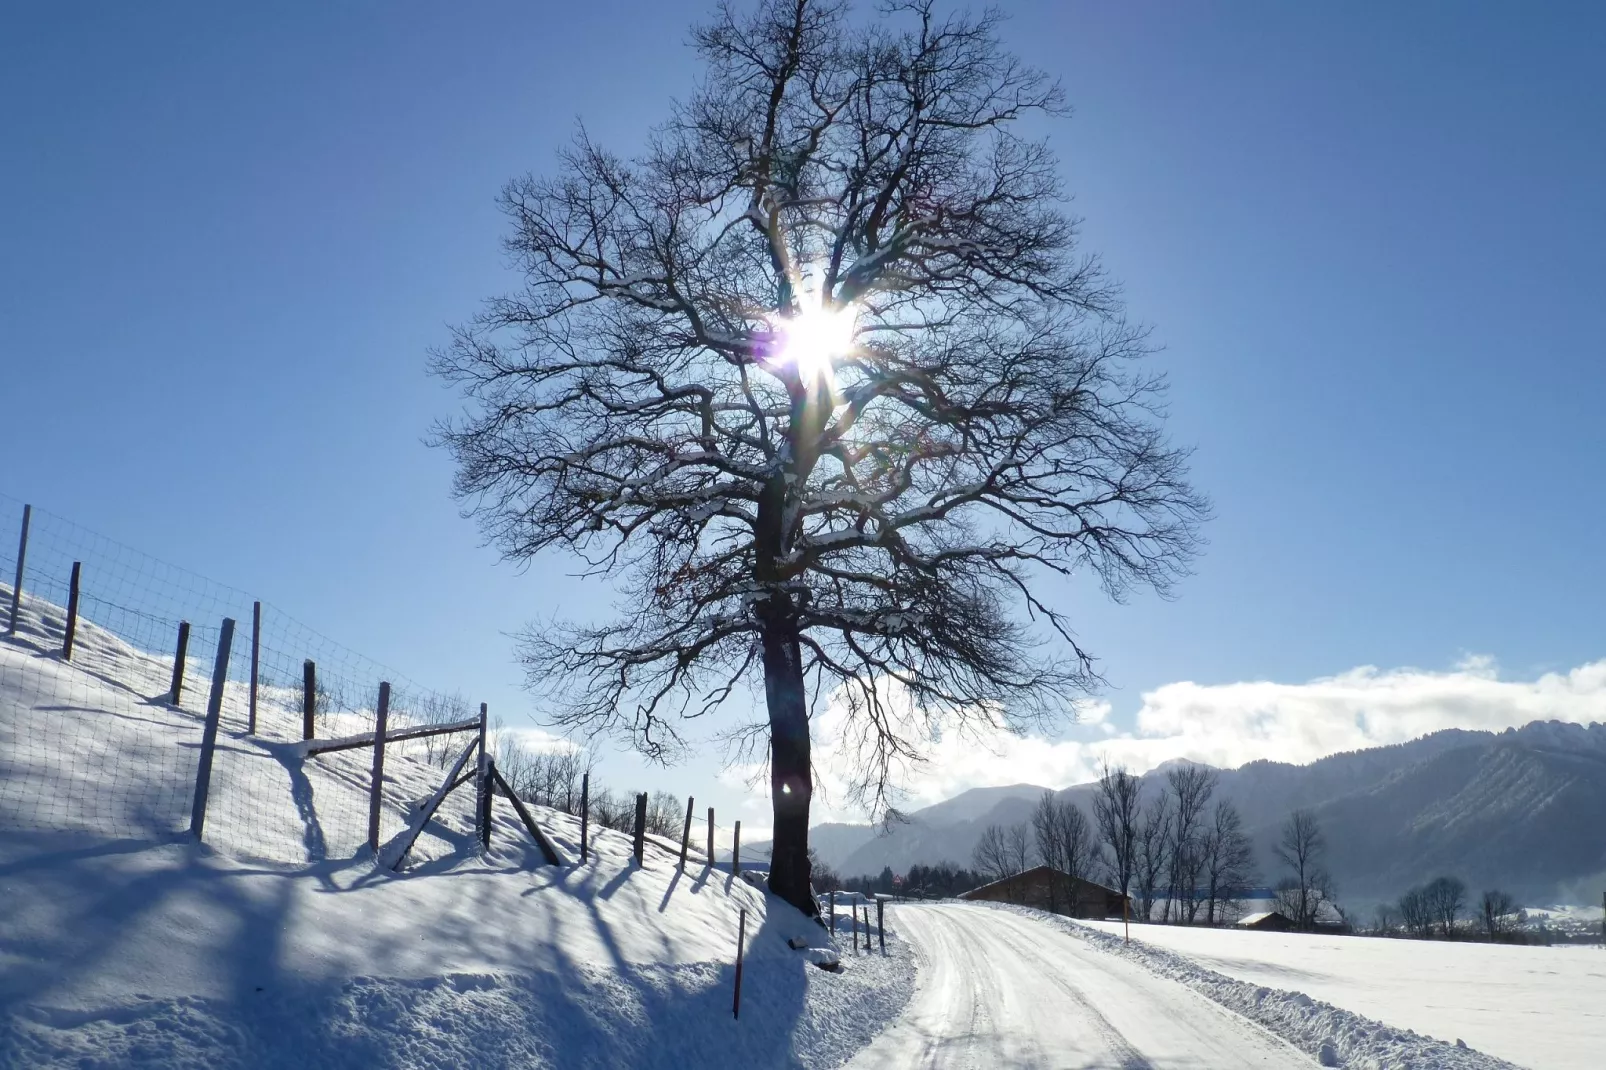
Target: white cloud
<point x="537" y="740"/>
<point x="1230" y="724"/>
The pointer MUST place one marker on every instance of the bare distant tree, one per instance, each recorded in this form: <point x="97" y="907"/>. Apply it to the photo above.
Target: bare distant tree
<point x="823" y="382"/>
<point x="1386" y="920"/>
<point x="1497" y="910"/>
<point x="1017" y="847"/>
<point x="1446" y="898"/>
<point x="1079" y="842"/>
<point x="1191" y="787"/>
<point x="1116" y="808"/>
<point x="1301" y="849"/>
<point x="824" y="878"/>
<point x="1046" y="818"/>
<point x="990" y="857"/>
<point x="1416" y="914"/>
<point x="1068" y="844"/>
<point x="1153" y="851"/>
<point x="1228" y="860"/>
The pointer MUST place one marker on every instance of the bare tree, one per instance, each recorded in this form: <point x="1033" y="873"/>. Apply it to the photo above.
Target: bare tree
<point x="1067" y="844"/>
<point x="1386" y="920"/>
<point x="1191" y="787"/>
<point x="1116" y="808"/>
<point x="1497" y="910"/>
<point x="1079" y="842"/>
<point x="1017" y="847"/>
<point x="823" y="382"/>
<point x="1153" y="851"/>
<point x="823" y="877"/>
<point x="1301" y="848"/>
<point x="1046" y="819"/>
<point x="1228" y="860"/>
<point x="991" y="856"/>
<point x="1446" y="897"/>
<point x="1416" y="914"/>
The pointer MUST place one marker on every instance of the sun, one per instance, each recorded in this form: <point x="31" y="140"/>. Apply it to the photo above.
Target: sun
<point x="815" y="338"/>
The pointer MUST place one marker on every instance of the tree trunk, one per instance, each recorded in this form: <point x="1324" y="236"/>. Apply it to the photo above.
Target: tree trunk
<point x="791" y="779"/>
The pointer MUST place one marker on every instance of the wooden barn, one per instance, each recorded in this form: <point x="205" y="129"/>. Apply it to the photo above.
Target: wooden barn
<point x="1269" y="921"/>
<point x="1054" y="890"/>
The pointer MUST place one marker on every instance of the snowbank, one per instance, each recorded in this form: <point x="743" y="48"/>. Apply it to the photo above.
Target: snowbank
<point x="1537" y="1006"/>
<point x="1335" y="1037"/>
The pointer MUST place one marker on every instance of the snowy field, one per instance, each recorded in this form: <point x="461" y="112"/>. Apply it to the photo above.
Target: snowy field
<point x="1538" y="1007"/>
<point x="146" y="949"/>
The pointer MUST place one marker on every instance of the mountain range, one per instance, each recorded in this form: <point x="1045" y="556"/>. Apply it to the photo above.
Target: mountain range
<point x="1523" y="810"/>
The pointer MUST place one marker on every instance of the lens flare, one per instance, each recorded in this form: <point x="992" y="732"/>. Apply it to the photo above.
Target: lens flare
<point x="812" y="340"/>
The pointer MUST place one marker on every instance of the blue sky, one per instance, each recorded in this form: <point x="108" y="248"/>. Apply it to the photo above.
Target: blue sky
<point x="1368" y="236"/>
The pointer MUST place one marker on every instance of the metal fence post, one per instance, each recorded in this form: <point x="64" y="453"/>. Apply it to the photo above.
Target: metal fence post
<point x="72" y="612"/>
<point x="381" y="716"/>
<point x="22" y="556"/>
<point x="214" y="712"/>
<point x="176" y="692"/>
<point x="736" y="850"/>
<point x="710" y="837"/>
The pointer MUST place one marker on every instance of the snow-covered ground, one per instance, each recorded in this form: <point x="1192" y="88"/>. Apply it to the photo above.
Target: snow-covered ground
<point x="996" y="989"/>
<point x="1539" y="1007"/>
<point x="268" y="945"/>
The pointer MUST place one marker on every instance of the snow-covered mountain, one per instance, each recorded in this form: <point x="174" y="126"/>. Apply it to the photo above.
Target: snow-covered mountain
<point x="1519" y="809"/>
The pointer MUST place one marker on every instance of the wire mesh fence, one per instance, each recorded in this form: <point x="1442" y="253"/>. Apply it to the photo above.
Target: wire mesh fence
<point x="107" y="659"/>
<point x="108" y="662"/>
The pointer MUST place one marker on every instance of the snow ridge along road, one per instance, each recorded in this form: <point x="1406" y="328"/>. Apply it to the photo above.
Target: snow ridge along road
<point x="1335" y="1036"/>
<point x="996" y="989"/>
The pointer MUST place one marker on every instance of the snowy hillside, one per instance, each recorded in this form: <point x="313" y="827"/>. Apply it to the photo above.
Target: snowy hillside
<point x="278" y="942"/>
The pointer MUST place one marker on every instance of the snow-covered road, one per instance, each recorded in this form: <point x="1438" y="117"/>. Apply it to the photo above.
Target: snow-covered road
<point x="999" y="990"/>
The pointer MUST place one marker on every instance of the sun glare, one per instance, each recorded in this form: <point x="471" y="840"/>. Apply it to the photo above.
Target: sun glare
<point x="815" y="338"/>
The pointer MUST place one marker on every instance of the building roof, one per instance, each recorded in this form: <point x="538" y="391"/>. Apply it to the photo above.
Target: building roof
<point x="1264" y="915"/>
<point x="1032" y="872"/>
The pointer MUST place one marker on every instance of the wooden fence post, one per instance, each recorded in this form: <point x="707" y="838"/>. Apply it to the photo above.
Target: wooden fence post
<point x="736" y="850"/>
<point x="685" y="833"/>
<point x="881" y="922"/>
<point x="381" y="719"/>
<point x="22" y="556"/>
<point x="710" y="837"/>
<point x="256" y="652"/>
<point x="176" y="692"/>
<point x="741" y="938"/>
<point x="833" y="912"/>
<point x="482" y="798"/>
<point x="214" y="712"/>
<point x="641" y="825"/>
<point x="585" y="813"/>
<point x="486" y="800"/>
<point x="309" y="696"/>
<point x="867" y="927"/>
<point x="72" y="612"/>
